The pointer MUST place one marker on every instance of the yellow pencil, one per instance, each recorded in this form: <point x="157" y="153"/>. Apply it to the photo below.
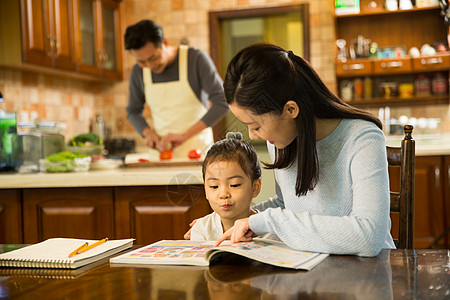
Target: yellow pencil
<point x="84" y="249"/>
<point x="75" y="252"/>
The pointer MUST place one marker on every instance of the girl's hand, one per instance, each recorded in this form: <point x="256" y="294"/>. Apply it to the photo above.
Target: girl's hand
<point x="187" y="235"/>
<point x="240" y="232"/>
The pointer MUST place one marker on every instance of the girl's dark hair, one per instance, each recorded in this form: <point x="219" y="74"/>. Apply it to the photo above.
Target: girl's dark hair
<point x="262" y="78"/>
<point x="139" y="34"/>
<point x="233" y="148"/>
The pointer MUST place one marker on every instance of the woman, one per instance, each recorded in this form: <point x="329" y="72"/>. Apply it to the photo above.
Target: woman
<point x="329" y="159"/>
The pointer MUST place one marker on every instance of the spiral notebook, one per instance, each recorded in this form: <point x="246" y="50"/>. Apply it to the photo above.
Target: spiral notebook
<point x="54" y="253"/>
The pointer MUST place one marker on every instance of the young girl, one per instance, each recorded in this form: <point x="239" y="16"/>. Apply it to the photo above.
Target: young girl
<point x="231" y="174"/>
<point x="329" y="158"/>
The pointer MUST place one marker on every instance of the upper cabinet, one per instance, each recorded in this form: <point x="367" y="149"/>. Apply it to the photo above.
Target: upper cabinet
<point x="374" y="66"/>
<point x="97" y="36"/>
<point x="79" y="36"/>
<point x="47" y="37"/>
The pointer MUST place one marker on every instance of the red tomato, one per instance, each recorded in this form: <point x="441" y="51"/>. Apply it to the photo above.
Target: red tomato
<point x="195" y="154"/>
<point x="165" y="154"/>
<point x="143" y="160"/>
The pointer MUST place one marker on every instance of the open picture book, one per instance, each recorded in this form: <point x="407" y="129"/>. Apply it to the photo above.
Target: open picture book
<point x="196" y="253"/>
<point x="55" y="252"/>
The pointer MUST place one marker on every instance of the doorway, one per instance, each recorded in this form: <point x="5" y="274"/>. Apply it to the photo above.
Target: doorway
<point x="232" y="30"/>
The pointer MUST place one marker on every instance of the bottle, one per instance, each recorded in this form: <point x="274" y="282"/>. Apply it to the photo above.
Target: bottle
<point x="368" y="87"/>
<point x="99" y="126"/>
<point x="8" y="129"/>
<point x="439" y="84"/>
<point x="422" y="85"/>
<point x="359" y="88"/>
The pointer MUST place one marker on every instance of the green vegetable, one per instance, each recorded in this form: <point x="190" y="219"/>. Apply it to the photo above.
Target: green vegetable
<point x="82" y="139"/>
<point x="62" y="161"/>
<point x="65" y="155"/>
<point x="60" y="156"/>
<point x="64" y="166"/>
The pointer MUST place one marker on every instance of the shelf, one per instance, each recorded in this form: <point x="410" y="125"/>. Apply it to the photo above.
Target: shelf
<point x="408" y="65"/>
<point x="408" y="28"/>
<point x="382" y="11"/>
<point x="422" y="100"/>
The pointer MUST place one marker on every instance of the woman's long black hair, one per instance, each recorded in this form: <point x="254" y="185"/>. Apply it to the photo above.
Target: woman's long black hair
<point x="262" y="78"/>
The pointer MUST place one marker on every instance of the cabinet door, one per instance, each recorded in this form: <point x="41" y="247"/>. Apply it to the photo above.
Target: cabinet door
<point x="36" y="38"/>
<point x="61" y="31"/>
<point x="98" y="37"/>
<point x="447" y="198"/>
<point x="429" y="201"/>
<point x="10" y="217"/>
<point x="48" y="33"/>
<point x="111" y="46"/>
<point x="68" y="212"/>
<point x="153" y="213"/>
<point x="86" y="36"/>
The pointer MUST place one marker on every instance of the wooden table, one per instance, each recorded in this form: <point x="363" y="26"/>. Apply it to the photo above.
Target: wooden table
<point x="394" y="274"/>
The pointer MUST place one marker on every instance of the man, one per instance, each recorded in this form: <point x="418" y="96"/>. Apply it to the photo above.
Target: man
<point x="176" y="83"/>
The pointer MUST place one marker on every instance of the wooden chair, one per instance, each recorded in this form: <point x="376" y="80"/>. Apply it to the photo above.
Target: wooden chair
<point x="403" y="202"/>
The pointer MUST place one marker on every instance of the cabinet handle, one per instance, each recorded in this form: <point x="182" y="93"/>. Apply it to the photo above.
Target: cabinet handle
<point x="437" y="177"/>
<point x="100" y="58"/>
<point x="353" y="67"/>
<point x="392" y="64"/>
<point x="105" y="56"/>
<point x="56" y="47"/>
<point x="51" y="42"/>
<point x="431" y="61"/>
<point x="448" y="175"/>
<point x="53" y="52"/>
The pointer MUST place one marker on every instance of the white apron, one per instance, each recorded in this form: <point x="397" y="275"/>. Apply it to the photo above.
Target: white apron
<point x="175" y="108"/>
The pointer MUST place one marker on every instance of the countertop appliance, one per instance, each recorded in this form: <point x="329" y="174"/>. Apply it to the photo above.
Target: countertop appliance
<point x="8" y="129"/>
<point x="36" y="141"/>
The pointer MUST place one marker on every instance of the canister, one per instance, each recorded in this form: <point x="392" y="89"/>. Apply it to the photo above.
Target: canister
<point x="406" y="90"/>
<point x="439" y="84"/>
<point x="359" y="88"/>
<point x="422" y="85"/>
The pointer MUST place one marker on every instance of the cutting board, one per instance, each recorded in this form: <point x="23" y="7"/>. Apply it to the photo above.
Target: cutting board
<point x="132" y="161"/>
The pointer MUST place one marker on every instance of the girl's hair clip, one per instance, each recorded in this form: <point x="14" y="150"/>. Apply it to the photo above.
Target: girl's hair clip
<point x="234" y="135"/>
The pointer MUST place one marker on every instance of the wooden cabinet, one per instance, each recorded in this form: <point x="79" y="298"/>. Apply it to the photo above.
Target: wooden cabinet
<point x="10" y="217"/>
<point x="446" y="184"/>
<point x="390" y="29"/>
<point x="86" y="213"/>
<point x="147" y="213"/>
<point x="98" y="37"/>
<point x="430" y="200"/>
<point x="81" y="38"/>
<point x="150" y="214"/>
<point x="47" y="33"/>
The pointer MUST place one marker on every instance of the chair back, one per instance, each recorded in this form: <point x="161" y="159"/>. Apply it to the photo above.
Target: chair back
<point x="403" y="202"/>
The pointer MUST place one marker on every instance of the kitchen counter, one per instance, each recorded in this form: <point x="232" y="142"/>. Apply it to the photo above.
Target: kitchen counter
<point x="426" y="145"/>
<point x="118" y="177"/>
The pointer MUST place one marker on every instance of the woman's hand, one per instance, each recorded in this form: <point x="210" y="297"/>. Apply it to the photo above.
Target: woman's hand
<point x="240" y="232"/>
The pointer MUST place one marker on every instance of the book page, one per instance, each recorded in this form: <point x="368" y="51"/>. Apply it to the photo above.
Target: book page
<point x="200" y="253"/>
<point x="170" y="252"/>
<point x="272" y="252"/>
